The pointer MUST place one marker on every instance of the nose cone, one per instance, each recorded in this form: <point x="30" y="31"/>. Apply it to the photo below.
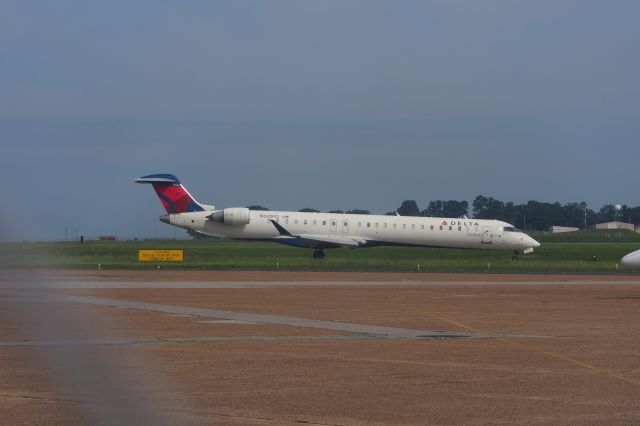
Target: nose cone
<point x="534" y="243"/>
<point x="527" y="243"/>
<point x="165" y="218"/>
<point x="632" y="260"/>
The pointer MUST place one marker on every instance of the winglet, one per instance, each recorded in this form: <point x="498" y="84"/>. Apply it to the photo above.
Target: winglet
<point x="281" y="229"/>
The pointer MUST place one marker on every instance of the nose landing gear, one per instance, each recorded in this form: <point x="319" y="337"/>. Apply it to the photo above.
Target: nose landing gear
<point x="318" y="254"/>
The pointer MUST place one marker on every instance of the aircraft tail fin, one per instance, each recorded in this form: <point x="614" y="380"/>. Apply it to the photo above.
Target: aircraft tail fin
<point x="173" y="196"/>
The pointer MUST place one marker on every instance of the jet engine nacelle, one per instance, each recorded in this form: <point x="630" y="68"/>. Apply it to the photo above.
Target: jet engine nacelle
<point x="231" y="216"/>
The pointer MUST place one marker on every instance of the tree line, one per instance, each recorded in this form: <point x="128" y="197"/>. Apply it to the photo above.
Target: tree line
<point x="540" y="216"/>
<point x="533" y="215"/>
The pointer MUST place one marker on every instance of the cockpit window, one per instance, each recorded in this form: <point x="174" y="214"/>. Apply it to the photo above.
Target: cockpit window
<point x="511" y="229"/>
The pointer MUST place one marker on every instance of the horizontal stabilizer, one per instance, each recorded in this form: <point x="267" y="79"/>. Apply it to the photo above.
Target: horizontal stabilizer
<point x="159" y="179"/>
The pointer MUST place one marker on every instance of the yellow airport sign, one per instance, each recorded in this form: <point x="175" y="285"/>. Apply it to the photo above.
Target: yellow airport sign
<point x="160" y="255"/>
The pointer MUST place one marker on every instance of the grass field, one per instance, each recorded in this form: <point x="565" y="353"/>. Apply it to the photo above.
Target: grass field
<point x="559" y="253"/>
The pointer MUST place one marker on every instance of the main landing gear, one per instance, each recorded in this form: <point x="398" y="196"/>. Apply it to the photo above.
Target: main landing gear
<point x="515" y="255"/>
<point x="318" y="254"/>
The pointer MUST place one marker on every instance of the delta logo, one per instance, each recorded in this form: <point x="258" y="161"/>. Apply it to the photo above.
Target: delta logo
<point x="444" y="223"/>
<point x="464" y="223"/>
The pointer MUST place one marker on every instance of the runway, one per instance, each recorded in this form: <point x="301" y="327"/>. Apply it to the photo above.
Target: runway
<point x="321" y="349"/>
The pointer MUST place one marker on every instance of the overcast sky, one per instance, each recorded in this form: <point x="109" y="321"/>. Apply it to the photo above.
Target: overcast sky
<point x="325" y="104"/>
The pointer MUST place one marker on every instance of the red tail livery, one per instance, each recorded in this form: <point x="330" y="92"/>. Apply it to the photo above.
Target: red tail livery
<point x="174" y="197"/>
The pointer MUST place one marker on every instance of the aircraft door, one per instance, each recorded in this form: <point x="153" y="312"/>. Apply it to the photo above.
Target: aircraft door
<point x="334" y="225"/>
<point x="345" y="227"/>
<point x="487" y="236"/>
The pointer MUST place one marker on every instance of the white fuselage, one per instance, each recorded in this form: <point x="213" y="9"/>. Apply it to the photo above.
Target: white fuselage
<point x="632" y="260"/>
<point x="367" y="230"/>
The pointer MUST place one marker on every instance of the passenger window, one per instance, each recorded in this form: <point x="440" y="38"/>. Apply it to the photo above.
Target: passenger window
<point x="441" y="227"/>
<point x="368" y="224"/>
<point x="305" y="221"/>
<point x="346" y="224"/>
<point x="450" y="228"/>
<point x="376" y="224"/>
<point x="421" y="226"/>
<point x="459" y="228"/>
<point x="324" y="223"/>
<point x="404" y="226"/>
<point x="333" y="223"/>
<point x="431" y="227"/>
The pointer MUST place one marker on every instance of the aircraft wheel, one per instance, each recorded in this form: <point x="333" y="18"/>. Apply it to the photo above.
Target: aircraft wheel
<point x="318" y="254"/>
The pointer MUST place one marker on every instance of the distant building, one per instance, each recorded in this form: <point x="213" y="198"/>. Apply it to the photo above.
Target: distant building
<point x="560" y="229"/>
<point x="617" y="225"/>
<point x="107" y="238"/>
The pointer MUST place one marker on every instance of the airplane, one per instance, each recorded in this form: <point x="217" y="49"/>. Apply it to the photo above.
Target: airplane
<point x="632" y="260"/>
<point x="320" y="231"/>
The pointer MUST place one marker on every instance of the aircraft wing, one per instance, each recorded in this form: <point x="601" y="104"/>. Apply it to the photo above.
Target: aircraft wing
<point x="315" y="241"/>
